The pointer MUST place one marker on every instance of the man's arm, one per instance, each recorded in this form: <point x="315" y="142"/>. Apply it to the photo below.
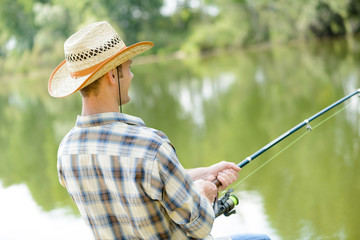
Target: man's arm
<point x="225" y="172"/>
<point x="186" y="202"/>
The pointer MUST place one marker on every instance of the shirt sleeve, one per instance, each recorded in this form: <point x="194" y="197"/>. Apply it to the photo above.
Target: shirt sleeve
<point x="60" y="173"/>
<point x="175" y="189"/>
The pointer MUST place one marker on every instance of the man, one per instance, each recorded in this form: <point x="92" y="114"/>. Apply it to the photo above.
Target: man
<point x="124" y="177"/>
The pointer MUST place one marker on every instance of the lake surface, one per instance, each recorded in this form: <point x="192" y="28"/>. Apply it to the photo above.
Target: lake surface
<point x="223" y="107"/>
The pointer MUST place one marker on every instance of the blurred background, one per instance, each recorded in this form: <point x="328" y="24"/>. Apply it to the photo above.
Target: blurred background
<point x="225" y="78"/>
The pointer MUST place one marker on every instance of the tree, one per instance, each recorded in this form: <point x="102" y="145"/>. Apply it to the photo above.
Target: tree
<point x="17" y="21"/>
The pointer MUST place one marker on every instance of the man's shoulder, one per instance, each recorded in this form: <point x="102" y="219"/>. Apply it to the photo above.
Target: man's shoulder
<point x="150" y="138"/>
<point x="115" y="138"/>
<point x="151" y="134"/>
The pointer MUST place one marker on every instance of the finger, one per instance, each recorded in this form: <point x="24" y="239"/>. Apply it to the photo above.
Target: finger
<point x="230" y="165"/>
<point x="227" y="177"/>
<point x="235" y="167"/>
<point x="224" y="183"/>
<point x="231" y="175"/>
<point x="224" y="179"/>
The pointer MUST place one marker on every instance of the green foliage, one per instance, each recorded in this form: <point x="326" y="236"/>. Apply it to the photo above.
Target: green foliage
<point x="53" y="23"/>
<point x="210" y="25"/>
<point x="17" y="21"/>
<point x="135" y="16"/>
<point x="222" y="31"/>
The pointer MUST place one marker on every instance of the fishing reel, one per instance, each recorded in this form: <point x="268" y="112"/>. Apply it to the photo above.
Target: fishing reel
<point x="226" y="204"/>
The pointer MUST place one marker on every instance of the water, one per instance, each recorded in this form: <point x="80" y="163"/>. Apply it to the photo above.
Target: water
<point x="222" y="107"/>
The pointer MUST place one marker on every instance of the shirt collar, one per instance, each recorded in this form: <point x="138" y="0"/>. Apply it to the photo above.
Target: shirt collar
<point x="107" y="118"/>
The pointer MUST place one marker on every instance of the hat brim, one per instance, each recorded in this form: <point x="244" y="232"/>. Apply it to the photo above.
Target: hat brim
<point x="62" y="84"/>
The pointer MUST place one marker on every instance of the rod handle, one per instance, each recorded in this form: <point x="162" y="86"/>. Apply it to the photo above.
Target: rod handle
<point x="241" y="164"/>
<point x="217" y="183"/>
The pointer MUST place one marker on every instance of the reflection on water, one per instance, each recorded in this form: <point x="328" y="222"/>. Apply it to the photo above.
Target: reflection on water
<point x="221" y="108"/>
<point x="307" y="231"/>
<point x="250" y="218"/>
<point x="353" y="109"/>
<point x="22" y="218"/>
<point x="192" y="97"/>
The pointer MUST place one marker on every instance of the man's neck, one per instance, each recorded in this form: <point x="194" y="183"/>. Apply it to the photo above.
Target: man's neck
<point x="94" y="105"/>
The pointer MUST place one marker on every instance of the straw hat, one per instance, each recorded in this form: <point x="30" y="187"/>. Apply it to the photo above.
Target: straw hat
<point x="89" y="54"/>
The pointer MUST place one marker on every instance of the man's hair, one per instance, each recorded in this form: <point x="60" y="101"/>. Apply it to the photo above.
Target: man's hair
<point x="93" y="88"/>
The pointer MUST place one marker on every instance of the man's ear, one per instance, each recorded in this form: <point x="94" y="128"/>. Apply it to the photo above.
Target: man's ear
<point x="111" y="76"/>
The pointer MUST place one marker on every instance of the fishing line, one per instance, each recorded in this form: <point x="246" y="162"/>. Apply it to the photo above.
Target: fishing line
<point x="290" y="144"/>
<point x="227" y="202"/>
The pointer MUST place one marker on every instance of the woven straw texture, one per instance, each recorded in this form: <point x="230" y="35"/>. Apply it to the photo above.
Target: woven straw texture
<point x="89" y="54"/>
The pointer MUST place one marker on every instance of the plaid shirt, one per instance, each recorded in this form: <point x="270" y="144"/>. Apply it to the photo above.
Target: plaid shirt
<point x="127" y="182"/>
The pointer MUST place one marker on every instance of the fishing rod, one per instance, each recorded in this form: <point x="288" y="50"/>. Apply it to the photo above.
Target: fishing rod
<point x="226" y="204"/>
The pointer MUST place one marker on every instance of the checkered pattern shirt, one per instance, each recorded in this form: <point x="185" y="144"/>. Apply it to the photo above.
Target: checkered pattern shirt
<point x="127" y="182"/>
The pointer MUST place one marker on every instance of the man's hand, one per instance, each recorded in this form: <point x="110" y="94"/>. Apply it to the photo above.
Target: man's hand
<point x="206" y="189"/>
<point x="225" y="172"/>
